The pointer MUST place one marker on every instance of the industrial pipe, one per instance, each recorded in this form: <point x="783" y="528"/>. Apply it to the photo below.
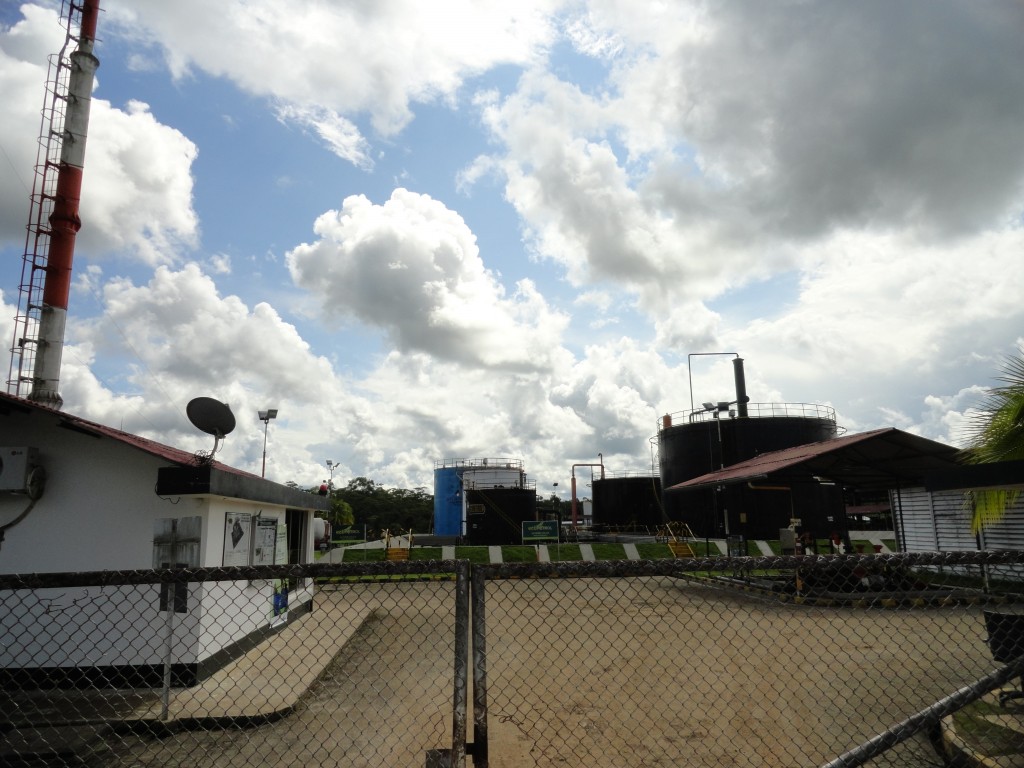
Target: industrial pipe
<point x="741" y="387"/>
<point x="573" y="486"/>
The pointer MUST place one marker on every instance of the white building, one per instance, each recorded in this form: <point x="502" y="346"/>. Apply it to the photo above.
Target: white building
<point x="77" y="496"/>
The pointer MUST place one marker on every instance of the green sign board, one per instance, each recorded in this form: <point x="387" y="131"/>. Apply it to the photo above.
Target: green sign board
<point x="540" y="530"/>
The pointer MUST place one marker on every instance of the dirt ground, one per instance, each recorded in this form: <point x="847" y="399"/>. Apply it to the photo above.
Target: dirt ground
<point x="659" y="671"/>
<point x="608" y="672"/>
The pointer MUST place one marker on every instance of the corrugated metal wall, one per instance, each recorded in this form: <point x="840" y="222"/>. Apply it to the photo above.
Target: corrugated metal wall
<point x="941" y="522"/>
<point x="914" y="520"/>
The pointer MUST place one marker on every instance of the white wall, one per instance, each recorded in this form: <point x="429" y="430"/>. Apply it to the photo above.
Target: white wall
<point x="97" y="511"/>
<point x="93" y="626"/>
<point x="236" y="608"/>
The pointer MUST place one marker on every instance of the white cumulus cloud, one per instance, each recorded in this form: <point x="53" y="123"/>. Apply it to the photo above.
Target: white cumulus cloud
<point x="412" y="267"/>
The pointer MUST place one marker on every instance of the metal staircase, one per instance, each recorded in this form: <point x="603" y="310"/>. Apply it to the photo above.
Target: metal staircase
<point x="678" y="535"/>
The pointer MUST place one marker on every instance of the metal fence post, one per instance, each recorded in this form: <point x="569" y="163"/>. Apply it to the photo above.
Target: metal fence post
<point x="165" y="697"/>
<point x="460" y="697"/>
<point x="478" y="596"/>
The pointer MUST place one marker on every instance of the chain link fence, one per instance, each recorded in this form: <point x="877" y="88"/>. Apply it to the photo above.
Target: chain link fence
<point x="878" y="660"/>
<point x="254" y="667"/>
<point x="742" y="662"/>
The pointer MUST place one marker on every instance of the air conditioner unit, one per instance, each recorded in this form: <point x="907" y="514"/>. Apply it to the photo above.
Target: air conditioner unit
<point x="15" y="465"/>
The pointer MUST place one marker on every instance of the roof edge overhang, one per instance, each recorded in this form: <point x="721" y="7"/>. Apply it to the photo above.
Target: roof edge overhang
<point x="878" y="459"/>
<point x="1005" y="475"/>
<point x="211" y="481"/>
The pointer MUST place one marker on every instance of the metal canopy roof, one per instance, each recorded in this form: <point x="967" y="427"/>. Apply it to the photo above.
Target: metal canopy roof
<point x="882" y="458"/>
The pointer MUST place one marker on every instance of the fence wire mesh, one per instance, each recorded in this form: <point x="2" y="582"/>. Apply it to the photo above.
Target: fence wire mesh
<point x="879" y="660"/>
<point x="357" y="671"/>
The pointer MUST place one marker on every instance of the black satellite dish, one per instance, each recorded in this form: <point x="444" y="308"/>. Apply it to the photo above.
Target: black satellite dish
<point x="212" y="417"/>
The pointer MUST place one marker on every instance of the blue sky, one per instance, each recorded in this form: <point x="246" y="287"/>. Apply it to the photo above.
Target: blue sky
<point x="494" y="229"/>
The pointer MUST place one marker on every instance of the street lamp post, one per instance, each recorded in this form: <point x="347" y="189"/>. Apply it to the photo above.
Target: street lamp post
<point x="331" y="466"/>
<point x="718" y="409"/>
<point x="265" y="417"/>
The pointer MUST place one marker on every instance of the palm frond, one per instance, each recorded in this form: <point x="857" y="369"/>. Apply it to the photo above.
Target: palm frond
<point x="995" y="432"/>
<point x="989" y="506"/>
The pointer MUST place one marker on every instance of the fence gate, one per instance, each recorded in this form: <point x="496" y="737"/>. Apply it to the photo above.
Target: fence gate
<point x="736" y="662"/>
<point x="236" y="667"/>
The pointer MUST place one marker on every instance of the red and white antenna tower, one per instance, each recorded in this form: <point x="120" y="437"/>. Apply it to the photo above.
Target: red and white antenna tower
<point x="53" y="214"/>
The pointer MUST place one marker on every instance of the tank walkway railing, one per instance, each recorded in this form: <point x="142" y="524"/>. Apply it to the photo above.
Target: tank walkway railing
<point x="754" y="411"/>
<point x="479" y="463"/>
<point x="629" y="474"/>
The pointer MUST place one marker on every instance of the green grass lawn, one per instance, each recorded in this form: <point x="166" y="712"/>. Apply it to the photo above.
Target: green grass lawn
<point x="701" y="548"/>
<point x="566" y="552"/>
<point x="425" y="553"/>
<point x="984" y="735"/>
<point x="608" y="551"/>
<point x="652" y="551"/>
<point x="473" y="554"/>
<point x="520" y="554"/>
<point x="364" y="555"/>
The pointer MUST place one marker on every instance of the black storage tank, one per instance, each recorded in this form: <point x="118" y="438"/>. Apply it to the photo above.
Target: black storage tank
<point x="496" y="515"/>
<point x="707" y="440"/>
<point x="627" y="502"/>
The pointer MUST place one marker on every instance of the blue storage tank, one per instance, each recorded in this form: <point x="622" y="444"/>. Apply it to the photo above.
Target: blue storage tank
<point x="450" y="485"/>
<point x="448" y="501"/>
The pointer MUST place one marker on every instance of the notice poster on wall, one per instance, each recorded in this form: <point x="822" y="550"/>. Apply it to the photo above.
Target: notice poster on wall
<point x="264" y="547"/>
<point x="281" y="550"/>
<point x="237" y="538"/>
<point x="279" y="604"/>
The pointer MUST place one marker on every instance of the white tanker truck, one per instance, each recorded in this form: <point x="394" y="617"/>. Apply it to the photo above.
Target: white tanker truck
<point x="321" y="533"/>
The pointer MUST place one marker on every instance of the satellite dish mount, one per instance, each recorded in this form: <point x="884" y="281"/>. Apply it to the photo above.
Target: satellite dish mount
<point x="212" y="417"/>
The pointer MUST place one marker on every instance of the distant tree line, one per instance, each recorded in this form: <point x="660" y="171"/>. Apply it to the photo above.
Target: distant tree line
<point x="364" y="503"/>
<point x="398" y="510"/>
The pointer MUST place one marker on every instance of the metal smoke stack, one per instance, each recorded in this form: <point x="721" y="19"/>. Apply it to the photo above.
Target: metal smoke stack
<point x="741" y="387"/>
<point x="64" y="219"/>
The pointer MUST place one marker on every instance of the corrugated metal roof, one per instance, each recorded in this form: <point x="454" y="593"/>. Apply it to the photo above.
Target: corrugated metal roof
<point x="70" y="421"/>
<point x="882" y="458"/>
<point x="216" y="478"/>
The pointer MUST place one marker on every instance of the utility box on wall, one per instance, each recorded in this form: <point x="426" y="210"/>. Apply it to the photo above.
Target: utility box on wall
<point x="15" y="465"/>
